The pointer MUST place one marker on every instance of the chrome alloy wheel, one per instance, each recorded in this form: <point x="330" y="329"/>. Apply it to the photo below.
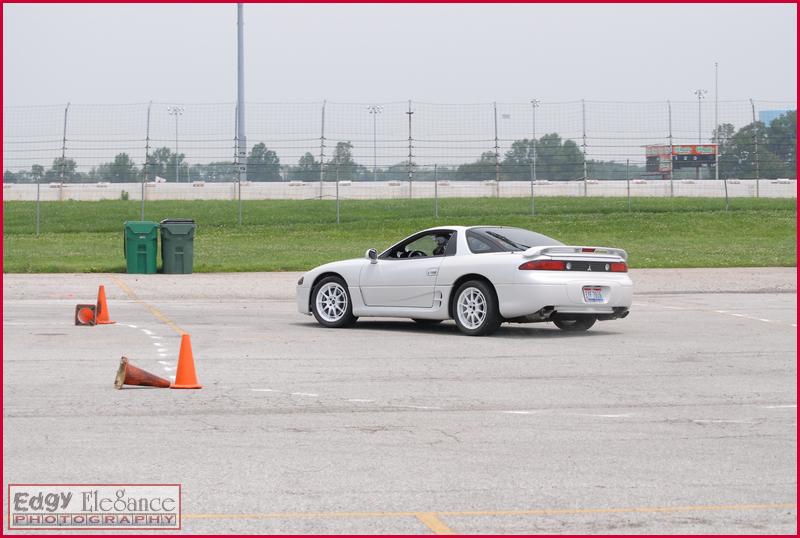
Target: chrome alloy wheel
<point x="471" y="308"/>
<point x="331" y="302"/>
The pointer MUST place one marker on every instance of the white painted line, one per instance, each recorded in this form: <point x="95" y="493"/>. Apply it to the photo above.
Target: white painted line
<point x="145" y="331"/>
<point x="359" y="400"/>
<point x="792" y="406"/>
<point x="168" y="368"/>
<point x="164" y="363"/>
<point x="765" y="320"/>
<point x="739" y="315"/>
<point x="721" y="311"/>
<point x="416" y="407"/>
<point x="156" y="337"/>
<point x="623" y="415"/>
<point x="519" y="412"/>
<point x="132" y="326"/>
<point x="158" y="344"/>
<point x="303" y="394"/>
<point x="794" y="324"/>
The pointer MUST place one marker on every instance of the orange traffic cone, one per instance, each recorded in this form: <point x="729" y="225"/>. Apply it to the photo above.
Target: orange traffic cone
<point x="185" y="378"/>
<point x="84" y="314"/>
<point x="128" y="374"/>
<point x="102" y="308"/>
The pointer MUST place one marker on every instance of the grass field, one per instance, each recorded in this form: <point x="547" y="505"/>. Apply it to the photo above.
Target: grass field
<point x="279" y="235"/>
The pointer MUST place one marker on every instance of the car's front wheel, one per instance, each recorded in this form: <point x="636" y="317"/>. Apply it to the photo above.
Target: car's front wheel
<point x="331" y="303"/>
<point x="575" y="325"/>
<point x="475" y="309"/>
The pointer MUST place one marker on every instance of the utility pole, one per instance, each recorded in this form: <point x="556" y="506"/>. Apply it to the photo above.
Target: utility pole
<point x="374" y="110"/>
<point x="755" y="142"/>
<point x="700" y="96"/>
<point x="241" y="146"/>
<point x="64" y="144"/>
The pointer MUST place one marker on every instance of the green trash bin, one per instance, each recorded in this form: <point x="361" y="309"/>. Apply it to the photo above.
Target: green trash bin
<point x="177" y="246"/>
<point x="140" y="243"/>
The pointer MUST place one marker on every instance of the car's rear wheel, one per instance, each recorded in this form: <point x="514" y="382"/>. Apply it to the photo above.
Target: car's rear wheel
<point x="475" y="309"/>
<point x="575" y="325"/>
<point x="331" y="303"/>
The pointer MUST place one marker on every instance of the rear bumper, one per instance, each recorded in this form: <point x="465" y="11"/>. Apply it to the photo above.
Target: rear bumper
<point x="565" y="297"/>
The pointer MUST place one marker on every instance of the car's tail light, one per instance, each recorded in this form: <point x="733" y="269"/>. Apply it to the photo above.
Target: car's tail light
<point x="619" y="267"/>
<point x="543" y="265"/>
<point x="587" y="249"/>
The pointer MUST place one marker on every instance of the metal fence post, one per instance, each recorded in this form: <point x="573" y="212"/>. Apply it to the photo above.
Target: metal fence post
<point x="337" y="193"/>
<point x="628" y="181"/>
<point x="322" y="151"/>
<point x="533" y="198"/>
<point x="435" y="192"/>
<point x="496" y="153"/>
<point x="38" y="181"/>
<point x="146" y="158"/>
<point x="755" y="142"/>
<point x="585" y="169"/>
<point x="671" y="153"/>
<point x="410" y="152"/>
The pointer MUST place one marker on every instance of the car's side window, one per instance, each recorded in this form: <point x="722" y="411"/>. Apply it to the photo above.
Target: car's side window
<point x="478" y="245"/>
<point x="438" y="243"/>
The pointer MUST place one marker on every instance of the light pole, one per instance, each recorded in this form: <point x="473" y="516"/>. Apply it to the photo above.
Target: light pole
<point x="374" y="110"/>
<point x="177" y="111"/>
<point x="700" y="96"/>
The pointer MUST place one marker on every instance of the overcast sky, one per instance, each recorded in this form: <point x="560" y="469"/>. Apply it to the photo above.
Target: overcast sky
<point x="94" y="53"/>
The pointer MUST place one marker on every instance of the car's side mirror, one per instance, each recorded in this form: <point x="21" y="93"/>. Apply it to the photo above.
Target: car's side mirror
<point x="372" y="255"/>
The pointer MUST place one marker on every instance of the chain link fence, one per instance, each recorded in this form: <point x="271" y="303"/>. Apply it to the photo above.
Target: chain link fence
<point x="409" y="149"/>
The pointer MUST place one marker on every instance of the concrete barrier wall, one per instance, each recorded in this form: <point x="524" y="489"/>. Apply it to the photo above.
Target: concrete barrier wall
<point x="745" y="188"/>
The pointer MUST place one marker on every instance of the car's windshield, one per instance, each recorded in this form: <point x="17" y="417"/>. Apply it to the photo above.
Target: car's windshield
<point x="506" y="240"/>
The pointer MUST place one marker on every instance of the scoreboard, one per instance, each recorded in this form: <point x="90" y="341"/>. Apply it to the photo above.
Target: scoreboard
<point x="663" y="158"/>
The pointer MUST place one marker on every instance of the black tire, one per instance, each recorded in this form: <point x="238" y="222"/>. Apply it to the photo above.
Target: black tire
<point x="428" y="322"/>
<point x="474" y="321"/>
<point x="337" y="307"/>
<point x="576" y="325"/>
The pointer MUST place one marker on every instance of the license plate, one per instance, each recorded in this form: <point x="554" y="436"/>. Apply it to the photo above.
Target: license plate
<point x="593" y="294"/>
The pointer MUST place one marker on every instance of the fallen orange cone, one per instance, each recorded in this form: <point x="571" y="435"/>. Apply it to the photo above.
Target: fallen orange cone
<point x="84" y="314"/>
<point x="186" y="377"/>
<point x="128" y="374"/>
<point x="101" y="317"/>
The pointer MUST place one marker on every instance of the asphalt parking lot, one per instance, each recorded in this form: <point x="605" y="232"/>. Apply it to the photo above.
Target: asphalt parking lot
<point x="681" y="418"/>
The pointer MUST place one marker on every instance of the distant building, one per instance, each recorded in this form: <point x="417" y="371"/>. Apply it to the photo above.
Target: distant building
<point x="768" y="116"/>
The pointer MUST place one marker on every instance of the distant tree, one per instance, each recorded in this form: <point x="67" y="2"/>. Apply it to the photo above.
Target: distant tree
<point x="121" y="170"/>
<point x="162" y="164"/>
<point x="263" y="164"/>
<point x="307" y="168"/>
<point x="343" y="161"/>
<point x="481" y="170"/>
<point x="62" y="168"/>
<point x="37" y="172"/>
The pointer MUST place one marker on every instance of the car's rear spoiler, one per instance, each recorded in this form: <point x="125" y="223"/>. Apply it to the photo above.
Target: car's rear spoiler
<point x="569" y="250"/>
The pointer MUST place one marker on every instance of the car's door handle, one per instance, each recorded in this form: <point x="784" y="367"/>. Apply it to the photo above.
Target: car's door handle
<point x="432" y="272"/>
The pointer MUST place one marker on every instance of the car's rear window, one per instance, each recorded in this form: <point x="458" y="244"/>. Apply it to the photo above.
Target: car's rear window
<point x="482" y="240"/>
